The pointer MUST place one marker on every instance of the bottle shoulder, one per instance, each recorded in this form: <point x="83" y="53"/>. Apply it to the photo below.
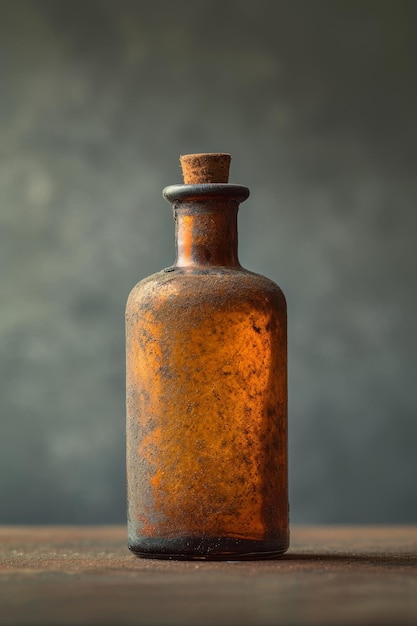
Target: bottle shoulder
<point x="215" y="287"/>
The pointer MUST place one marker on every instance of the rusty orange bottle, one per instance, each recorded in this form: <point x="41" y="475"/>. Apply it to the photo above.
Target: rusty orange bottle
<point x="207" y="388"/>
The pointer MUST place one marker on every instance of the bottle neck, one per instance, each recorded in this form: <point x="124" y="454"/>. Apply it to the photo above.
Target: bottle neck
<point x="206" y="223"/>
<point x="206" y="234"/>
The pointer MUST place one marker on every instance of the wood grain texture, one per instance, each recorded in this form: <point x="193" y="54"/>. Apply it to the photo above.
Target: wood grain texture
<point x="85" y="575"/>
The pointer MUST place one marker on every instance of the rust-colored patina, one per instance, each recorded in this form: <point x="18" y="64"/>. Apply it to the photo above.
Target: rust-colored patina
<point x="207" y="394"/>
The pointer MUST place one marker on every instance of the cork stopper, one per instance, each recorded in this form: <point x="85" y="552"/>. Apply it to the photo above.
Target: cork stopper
<point x="212" y="167"/>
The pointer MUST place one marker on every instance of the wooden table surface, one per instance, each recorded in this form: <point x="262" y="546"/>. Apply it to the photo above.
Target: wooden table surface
<point x="85" y="575"/>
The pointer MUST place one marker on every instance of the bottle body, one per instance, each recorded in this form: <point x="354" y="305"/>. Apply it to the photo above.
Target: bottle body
<point x="207" y="408"/>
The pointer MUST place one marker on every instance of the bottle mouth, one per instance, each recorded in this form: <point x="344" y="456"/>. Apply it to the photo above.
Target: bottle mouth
<point x="205" y="191"/>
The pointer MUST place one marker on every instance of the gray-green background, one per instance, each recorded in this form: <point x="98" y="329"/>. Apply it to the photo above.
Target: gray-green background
<point x="316" y="101"/>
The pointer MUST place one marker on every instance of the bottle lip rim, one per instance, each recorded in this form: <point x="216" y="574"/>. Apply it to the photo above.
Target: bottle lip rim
<point x="203" y="191"/>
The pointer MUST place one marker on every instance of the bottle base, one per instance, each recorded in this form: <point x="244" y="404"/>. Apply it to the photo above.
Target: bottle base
<point x="208" y="548"/>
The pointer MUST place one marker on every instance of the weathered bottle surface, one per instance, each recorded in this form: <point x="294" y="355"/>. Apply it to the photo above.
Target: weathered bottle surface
<point x="207" y="390"/>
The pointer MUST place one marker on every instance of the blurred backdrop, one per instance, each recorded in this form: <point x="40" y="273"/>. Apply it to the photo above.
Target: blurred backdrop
<point x="316" y="101"/>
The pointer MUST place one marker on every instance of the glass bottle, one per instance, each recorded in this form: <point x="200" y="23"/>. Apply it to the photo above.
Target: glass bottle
<point x="207" y="389"/>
